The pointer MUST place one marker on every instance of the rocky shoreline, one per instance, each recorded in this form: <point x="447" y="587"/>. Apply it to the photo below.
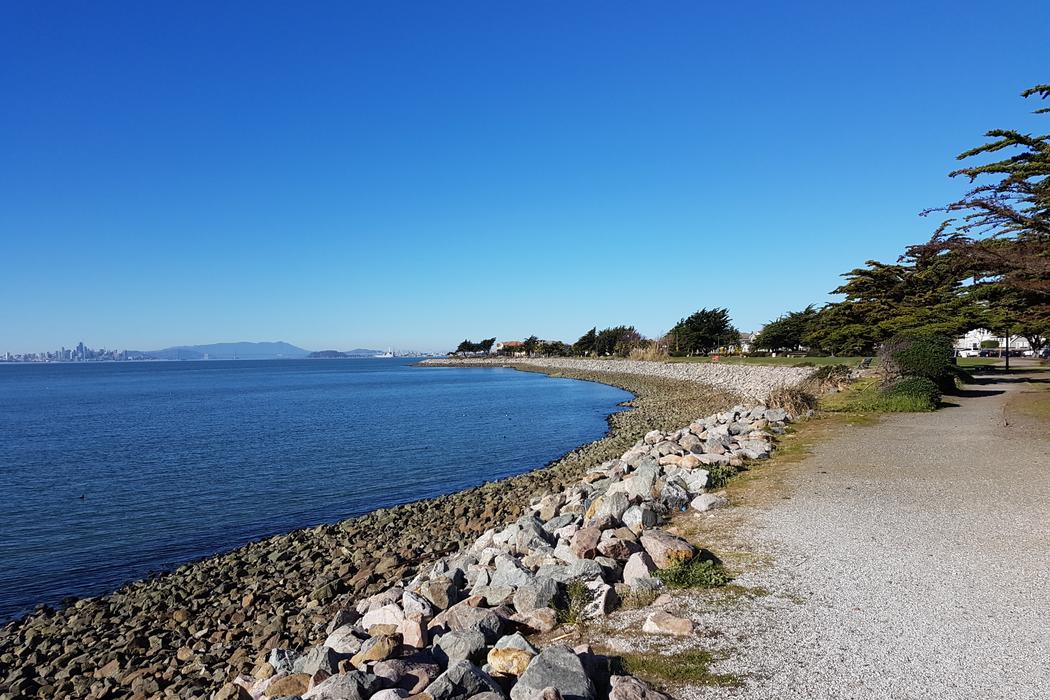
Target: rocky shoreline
<point x="472" y="625"/>
<point x="186" y="633"/>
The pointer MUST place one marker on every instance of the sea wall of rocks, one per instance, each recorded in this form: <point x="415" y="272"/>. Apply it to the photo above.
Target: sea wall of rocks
<point x="753" y="382"/>
<point x="187" y="632"/>
<point x="466" y="627"/>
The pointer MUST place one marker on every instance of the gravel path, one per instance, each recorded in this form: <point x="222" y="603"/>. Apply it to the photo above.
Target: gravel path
<point x="912" y="560"/>
<point x="752" y="382"/>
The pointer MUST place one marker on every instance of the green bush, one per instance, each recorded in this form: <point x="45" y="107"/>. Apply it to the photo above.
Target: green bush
<point x="718" y="475"/>
<point x="921" y="390"/>
<point x="695" y="573"/>
<point x="990" y="344"/>
<point x="918" y="355"/>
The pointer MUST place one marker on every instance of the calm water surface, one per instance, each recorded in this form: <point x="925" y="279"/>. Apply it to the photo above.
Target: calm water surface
<point x="111" y="471"/>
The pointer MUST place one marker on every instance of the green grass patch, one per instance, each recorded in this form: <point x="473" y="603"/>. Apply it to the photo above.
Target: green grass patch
<point x="978" y="361"/>
<point x="695" y="573"/>
<point x="692" y="667"/>
<point x="866" y="396"/>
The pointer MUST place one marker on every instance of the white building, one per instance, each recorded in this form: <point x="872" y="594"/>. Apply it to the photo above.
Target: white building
<point x="972" y="341"/>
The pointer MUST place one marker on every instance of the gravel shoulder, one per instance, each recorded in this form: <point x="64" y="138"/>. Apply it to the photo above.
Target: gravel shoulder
<point x="906" y="557"/>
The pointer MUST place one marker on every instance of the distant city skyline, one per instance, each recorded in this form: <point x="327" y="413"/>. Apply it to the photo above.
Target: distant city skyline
<point x="82" y="352"/>
<point x="413" y="175"/>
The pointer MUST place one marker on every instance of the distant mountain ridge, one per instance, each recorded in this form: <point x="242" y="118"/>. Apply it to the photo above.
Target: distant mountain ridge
<point x="231" y="351"/>
<point x="335" y="354"/>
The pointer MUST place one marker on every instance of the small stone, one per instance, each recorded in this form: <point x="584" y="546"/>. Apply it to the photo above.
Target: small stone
<point x="630" y="688"/>
<point x="660" y="622"/>
<point x="295" y="684"/>
<point x="707" y="501"/>
<point x="540" y="620"/>
<point x="232" y="691"/>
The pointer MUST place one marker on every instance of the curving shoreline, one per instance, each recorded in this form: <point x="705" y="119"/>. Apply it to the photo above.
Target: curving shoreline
<point x="185" y="633"/>
<point x="752" y="382"/>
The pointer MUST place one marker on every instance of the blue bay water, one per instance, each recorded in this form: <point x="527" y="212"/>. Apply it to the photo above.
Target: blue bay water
<point x="180" y="460"/>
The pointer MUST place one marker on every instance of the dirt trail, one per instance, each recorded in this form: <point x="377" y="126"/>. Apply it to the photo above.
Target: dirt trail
<point x="910" y="559"/>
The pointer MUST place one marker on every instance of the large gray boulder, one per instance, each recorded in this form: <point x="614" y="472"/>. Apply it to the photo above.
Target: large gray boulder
<point x="555" y="667"/>
<point x="639" y="518"/>
<point x="463" y="617"/>
<point x="538" y="594"/>
<point x="344" y="686"/>
<point x="318" y="659"/>
<point x="459" y="646"/>
<point x="462" y="681"/>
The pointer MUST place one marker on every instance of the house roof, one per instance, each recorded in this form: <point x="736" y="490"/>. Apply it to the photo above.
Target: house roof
<point x="511" y="343"/>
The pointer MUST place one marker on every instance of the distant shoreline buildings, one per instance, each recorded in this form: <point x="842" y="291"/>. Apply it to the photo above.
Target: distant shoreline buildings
<point x="82" y="353"/>
<point x="79" y="353"/>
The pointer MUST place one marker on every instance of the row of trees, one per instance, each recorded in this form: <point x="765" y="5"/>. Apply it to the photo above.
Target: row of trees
<point x="987" y="266"/>
<point x="700" y="333"/>
<point x="468" y="346"/>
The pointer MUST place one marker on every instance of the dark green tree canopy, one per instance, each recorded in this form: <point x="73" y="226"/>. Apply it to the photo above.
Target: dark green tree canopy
<point x="787" y="332"/>
<point x="470" y="346"/>
<point x="585" y="345"/>
<point x="923" y="291"/>
<point x="702" y="332"/>
<point x="1003" y="226"/>
<point x="618" y="340"/>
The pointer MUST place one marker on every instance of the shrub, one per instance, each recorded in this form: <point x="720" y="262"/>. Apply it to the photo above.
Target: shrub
<point x="828" y="377"/>
<point x="718" y="475"/>
<point x="917" y="355"/>
<point x="698" y="572"/>
<point x="922" y="391"/>
<point x="990" y="344"/>
<point x="796" y="400"/>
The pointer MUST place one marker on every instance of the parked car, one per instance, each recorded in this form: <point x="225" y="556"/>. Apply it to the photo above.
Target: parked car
<point x="1045" y="354"/>
<point x="967" y="352"/>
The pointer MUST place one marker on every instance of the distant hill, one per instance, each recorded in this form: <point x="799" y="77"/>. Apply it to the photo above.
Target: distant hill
<point x="332" y="354"/>
<point x="231" y="351"/>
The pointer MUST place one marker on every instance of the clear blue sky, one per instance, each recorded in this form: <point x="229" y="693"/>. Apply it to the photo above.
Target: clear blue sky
<point x="409" y="174"/>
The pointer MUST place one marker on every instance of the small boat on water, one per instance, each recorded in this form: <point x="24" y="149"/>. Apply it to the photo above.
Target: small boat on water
<point x="383" y="355"/>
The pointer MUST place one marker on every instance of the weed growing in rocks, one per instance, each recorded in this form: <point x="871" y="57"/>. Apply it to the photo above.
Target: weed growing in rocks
<point x="693" y="667"/>
<point x="718" y="475"/>
<point x="639" y="598"/>
<point x="696" y="573"/>
<point x="570" y="606"/>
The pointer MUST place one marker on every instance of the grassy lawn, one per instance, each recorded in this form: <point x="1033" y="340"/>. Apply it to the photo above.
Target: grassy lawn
<point x="777" y="361"/>
<point x="979" y="361"/>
